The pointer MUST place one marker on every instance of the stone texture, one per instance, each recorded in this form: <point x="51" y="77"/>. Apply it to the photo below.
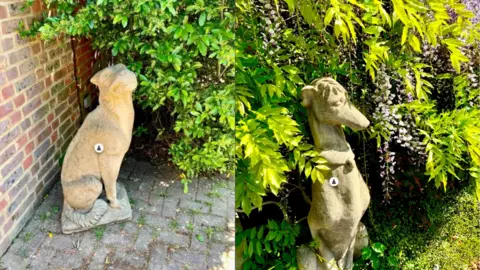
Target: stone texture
<point x="149" y="241"/>
<point x="111" y="215"/>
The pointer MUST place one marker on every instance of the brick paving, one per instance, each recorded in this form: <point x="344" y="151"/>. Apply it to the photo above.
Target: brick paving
<point x="169" y="229"/>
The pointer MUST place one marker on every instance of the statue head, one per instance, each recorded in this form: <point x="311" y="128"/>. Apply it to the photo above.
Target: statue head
<point x="328" y="101"/>
<point x="115" y="79"/>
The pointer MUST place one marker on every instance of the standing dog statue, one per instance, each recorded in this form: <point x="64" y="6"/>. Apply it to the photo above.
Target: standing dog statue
<point x="339" y="203"/>
<point x="96" y="153"/>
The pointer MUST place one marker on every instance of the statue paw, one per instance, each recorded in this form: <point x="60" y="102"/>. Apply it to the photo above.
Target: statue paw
<point x="114" y="204"/>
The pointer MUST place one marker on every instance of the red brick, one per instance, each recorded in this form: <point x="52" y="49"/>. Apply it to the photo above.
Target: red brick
<point x="45" y="96"/>
<point x="48" y="81"/>
<point x="40" y="73"/>
<point x="68" y="80"/>
<point x="3" y="203"/>
<point x="59" y="74"/>
<point x="3" y="62"/>
<point x="36" y="48"/>
<point x="27" y="162"/>
<point x="37" y="6"/>
<point x="54" y="136"/>
<point x="3" y="15"/>
<point x="19" y="55"/>
<point x="50" y="117"/>
<point x="7" y="225"/>
<point x="7" y="44"/>
<point x="17" y="9"/>
<point x="22" y="141"/>
<point x="29" y="147"/>
<point x="36" y="129"/>
<point x="7" y="92"/>
<point x="6" y="109"/>
<point x="31" y="106"/>
<point x="45" y="133"/>
<point x="55" y="124"/>
<point x="12" y="73"/>
<point x="15" y="118"/>
<point x="19" y="101"/>
<point x="10" y="26"/>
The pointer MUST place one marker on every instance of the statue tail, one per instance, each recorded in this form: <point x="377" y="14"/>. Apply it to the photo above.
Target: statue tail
<point x="85" y="219"/>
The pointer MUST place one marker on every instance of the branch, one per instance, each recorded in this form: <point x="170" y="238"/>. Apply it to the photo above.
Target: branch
<point x="304" y="194"/>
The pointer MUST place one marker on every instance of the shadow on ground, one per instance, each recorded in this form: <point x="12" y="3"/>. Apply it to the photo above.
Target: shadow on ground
<point x="169" y="229"/>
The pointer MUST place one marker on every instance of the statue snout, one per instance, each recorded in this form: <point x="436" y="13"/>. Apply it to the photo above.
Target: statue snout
<point x="353" y="118"/>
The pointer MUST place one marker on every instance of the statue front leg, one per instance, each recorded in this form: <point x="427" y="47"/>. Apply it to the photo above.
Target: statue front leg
<point x="109" y="170"/>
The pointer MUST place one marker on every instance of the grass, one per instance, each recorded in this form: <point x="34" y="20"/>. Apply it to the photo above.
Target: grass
<point x="45" y="216"/>
<point x="99" y="232"/>
<point x="173" y="224"/>
<point x="190" y="226"/>
<point x="208" y="203"/>
<point x="141" y="220"/>
<point x="441" y="231"/>
<point x="214" y="194"/>
<point x="209" y="231"/>
<point x="24" y="253"/>
<point x="27" y="237"/>
<point x="193" y="212"/>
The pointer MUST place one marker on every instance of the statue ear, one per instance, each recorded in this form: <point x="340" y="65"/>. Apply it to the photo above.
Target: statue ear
<point x="96" y="78"/>
<point x="307" y="95"/>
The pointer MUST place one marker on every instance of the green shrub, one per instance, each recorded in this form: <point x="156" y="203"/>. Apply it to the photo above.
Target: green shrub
<point x="182" y="52"/>
<point x="269" y="246"/>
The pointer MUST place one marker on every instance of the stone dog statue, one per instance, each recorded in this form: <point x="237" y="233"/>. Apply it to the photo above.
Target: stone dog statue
<point x="339" y="203"/>
<point x="96" y="153"/>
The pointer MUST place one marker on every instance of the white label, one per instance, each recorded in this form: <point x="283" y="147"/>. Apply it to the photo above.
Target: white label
<point x="98" y="148"/>
<point x="334" y="181"/>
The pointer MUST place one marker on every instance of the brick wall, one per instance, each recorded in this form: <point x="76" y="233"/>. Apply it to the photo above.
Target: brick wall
<point x="39" y="112"/>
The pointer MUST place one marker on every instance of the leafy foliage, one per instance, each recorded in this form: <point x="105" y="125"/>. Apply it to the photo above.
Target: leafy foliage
<point x="182" y="53"/>
<point x="270" y="245"/>
<point x="410" y="66"/>
<point x="376" y="256"/>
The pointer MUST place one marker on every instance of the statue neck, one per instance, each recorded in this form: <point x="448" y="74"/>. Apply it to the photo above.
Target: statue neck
<point x="328" y="137"/>
<point x="121" y="108"/>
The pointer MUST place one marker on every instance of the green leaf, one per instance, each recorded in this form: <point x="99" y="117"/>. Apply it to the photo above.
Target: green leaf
<point x="114" y="51"/>
<point x="379" y="247"/>
<point x="259" y="248"/>
<point x="404" y="34"/>
<point x="392" y="261"/>
<point x="291" y="69"/>
<point x="414" y="42"/>
<point x="260" y="233"/>
<point x="200" y="238"/>
<point x="250" y="249"/>
<point x="375" y="262"/>
<point x="329" y="16"/>
<point x="124" y="21"/>
<point x="366" y="253"/>
<point x="202" y="19"/>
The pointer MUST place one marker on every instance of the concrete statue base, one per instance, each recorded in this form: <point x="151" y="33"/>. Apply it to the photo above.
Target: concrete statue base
<point x="110" y="214"/>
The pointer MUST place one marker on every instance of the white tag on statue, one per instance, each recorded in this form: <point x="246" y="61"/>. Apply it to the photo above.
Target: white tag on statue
<point x="98" y="148"/>
<point x="334" y="181"/>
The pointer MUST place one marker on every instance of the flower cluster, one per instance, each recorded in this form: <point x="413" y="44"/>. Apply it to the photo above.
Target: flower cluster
<point x="398" y="124"/>
<point x="473" y="6"/>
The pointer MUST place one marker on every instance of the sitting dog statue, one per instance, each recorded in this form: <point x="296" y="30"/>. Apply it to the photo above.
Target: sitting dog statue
<point x="96" y="153"/>
<point x="340" y="201"/>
